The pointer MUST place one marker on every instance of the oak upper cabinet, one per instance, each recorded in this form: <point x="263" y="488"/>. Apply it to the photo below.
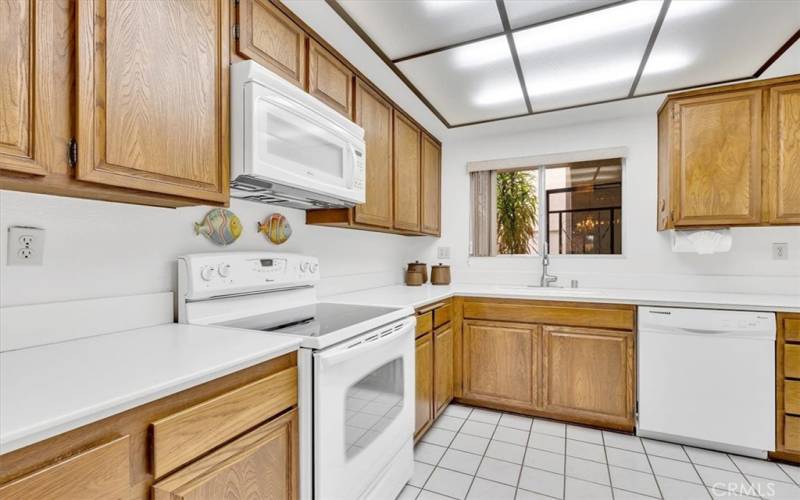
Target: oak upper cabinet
<point x="783" y="172"/>
<point x="500" y="363"/>
<point x="443" y="368"/>
<point x="430" y="192"/>
<point x="269" y="37"/>
<point x="374" y="115"/>
<point x="34" y="98"/>
<point x="407" y="182"/>
<point x="717" y="159"/>
<point x="152" y="96"/>
<point x="588" y="373"/>
<point x="329" y="80"/>
<point x="424" y="382"/>
<point x="730" y="155"/>
<point x="263" y="463"/>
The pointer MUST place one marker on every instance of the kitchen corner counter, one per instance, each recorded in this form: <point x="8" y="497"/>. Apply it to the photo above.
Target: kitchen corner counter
<point x="401" y="295"/>
<point x="50" y="389"/>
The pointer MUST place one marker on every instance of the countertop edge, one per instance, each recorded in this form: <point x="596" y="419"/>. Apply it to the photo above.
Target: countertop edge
<point x="91" y="415"/>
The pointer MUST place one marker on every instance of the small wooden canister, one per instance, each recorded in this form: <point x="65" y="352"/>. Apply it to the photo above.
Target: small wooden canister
<point x="419" y="267"/>
<point x="414" y="278"/>
<point x="440" y="275"/>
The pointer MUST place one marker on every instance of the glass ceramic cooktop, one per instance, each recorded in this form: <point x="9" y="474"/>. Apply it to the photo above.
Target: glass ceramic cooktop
<point x="313" y="320"/>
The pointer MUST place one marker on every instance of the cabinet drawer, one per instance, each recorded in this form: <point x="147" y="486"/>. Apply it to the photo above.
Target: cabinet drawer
<point x="791" y="396"/>
<point x="260" y="464"/>
<point x="442" y="315"/>
<point x="791" y="329"/>
<point x="620" y="317"/>
<point x="99" y="473"/>
<point x="184" y="436"/>
<point x="791" y="361"/>
<point x="791" y="432"/>
<point x="424" y="323"/>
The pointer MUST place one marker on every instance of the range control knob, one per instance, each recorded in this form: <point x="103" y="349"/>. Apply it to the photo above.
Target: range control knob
<point x="314" y="268"/>
<point x="304" y="267"/>
<point x="224" y="270"/>
<point x="207" y="272"/>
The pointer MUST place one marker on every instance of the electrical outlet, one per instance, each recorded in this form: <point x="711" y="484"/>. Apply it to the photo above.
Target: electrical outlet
<point x="443" y="252"/>
<point x="780" y="251"/>
<point x="25" y="246"/>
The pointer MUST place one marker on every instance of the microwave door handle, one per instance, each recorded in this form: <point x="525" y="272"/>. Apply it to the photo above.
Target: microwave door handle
<point x="346" y="353"/>
<point x="350" y="172"/>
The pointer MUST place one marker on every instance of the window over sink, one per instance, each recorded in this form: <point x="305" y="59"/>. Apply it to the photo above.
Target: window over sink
<point x="574" y="207"/>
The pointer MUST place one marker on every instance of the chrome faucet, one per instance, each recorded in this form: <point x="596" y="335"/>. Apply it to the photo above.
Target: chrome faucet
<point x="546" y="279"/>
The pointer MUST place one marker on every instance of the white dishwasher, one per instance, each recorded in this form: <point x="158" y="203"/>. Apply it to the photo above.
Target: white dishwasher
<point x="707" y="378"/>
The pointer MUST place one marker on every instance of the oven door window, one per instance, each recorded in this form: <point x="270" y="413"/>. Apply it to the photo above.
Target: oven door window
<point x="371" y="405"/>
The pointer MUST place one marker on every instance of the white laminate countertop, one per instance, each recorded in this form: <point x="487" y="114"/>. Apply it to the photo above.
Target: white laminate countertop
<point x="50" y="389"/>
<point x="416" y="296"/>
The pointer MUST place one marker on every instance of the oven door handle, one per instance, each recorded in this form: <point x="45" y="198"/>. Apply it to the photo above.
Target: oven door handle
<point x="364" y="345"/>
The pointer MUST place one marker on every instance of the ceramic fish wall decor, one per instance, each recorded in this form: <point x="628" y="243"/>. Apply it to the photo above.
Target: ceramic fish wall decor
<point x="220" y="225"/>
<point x="275" y="228"/>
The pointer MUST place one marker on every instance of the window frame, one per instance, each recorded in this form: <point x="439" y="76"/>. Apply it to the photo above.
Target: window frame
<point x="541" y="238"/>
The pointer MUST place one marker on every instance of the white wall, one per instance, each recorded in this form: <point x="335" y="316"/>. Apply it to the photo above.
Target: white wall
<point x="100" y="249"/>
<point x="647" y="261"/>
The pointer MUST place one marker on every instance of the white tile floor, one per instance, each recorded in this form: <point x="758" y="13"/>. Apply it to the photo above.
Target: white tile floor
<point x="473" y="453"/>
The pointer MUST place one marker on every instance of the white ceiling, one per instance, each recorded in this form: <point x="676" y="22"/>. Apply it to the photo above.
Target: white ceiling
<point x="570" y="52"/>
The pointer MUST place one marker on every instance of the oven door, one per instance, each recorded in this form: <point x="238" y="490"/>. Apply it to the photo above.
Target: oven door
<point x="289" y="143"/>
<point x="363" y="409"/>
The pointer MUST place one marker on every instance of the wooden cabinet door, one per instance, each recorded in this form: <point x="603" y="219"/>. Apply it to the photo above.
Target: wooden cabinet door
<point x="783" y="172"/>
<point x="329" y="80"/>
<point x="269" y="37"/>
<point x="101" y="473"/>
<point x="501" y="363"/>
<point x="424" y="383"/>
<point x="430" y="196"/>
<point x="443" y="369"/>
<point x="406" y="173"/>
<point x="588" y="374"/>
<point x="261" y="464"/>
<point x="35" y="80"/>
<point x="717" y="159"/>
<point x="153" y="96"/>
<point x="374" y="115"/>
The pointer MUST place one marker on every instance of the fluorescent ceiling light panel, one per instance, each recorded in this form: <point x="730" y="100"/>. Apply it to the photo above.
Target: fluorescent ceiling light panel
<point x="526" y="12"/>
<point x="466" y="93"/>
<point x="403" y="27"/>
<point x="723" y="39"/>
<point x="580" y="29"/>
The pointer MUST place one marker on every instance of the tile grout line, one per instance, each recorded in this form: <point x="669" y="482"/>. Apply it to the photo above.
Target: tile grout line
<point x="483" y="456"/>
<point x="747" y="479"/>
<point x="524" y="456"/>
<point x="608" y="465"/>
<point x="652" y="470"/>
<point x="421" y="488"/>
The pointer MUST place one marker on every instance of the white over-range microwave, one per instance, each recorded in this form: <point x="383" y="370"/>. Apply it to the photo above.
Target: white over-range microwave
<point x="290" y="149"/>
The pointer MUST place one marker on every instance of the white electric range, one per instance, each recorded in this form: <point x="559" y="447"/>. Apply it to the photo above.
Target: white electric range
<point x="355" y="364"/>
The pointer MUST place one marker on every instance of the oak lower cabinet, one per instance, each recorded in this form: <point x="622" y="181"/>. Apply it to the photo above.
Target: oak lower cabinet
<point x="100" y="473"/>
<point x="443" y="368"/>
<point x="501" y="363"/>
<point x="232" y="437"/>
<point x="260" y="464"/>
<point x="588" y="373"/>
<point x="567" y="361"/>
<point x="424" y="383"/>
<point x="787" y="383"/>
<point x="729" y="156"/>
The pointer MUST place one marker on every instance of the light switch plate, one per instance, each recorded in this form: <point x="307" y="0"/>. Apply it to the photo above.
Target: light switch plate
<point x="25" y="246"/>
<point x="443" y="252"/>
<point x="780" y="251"/>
